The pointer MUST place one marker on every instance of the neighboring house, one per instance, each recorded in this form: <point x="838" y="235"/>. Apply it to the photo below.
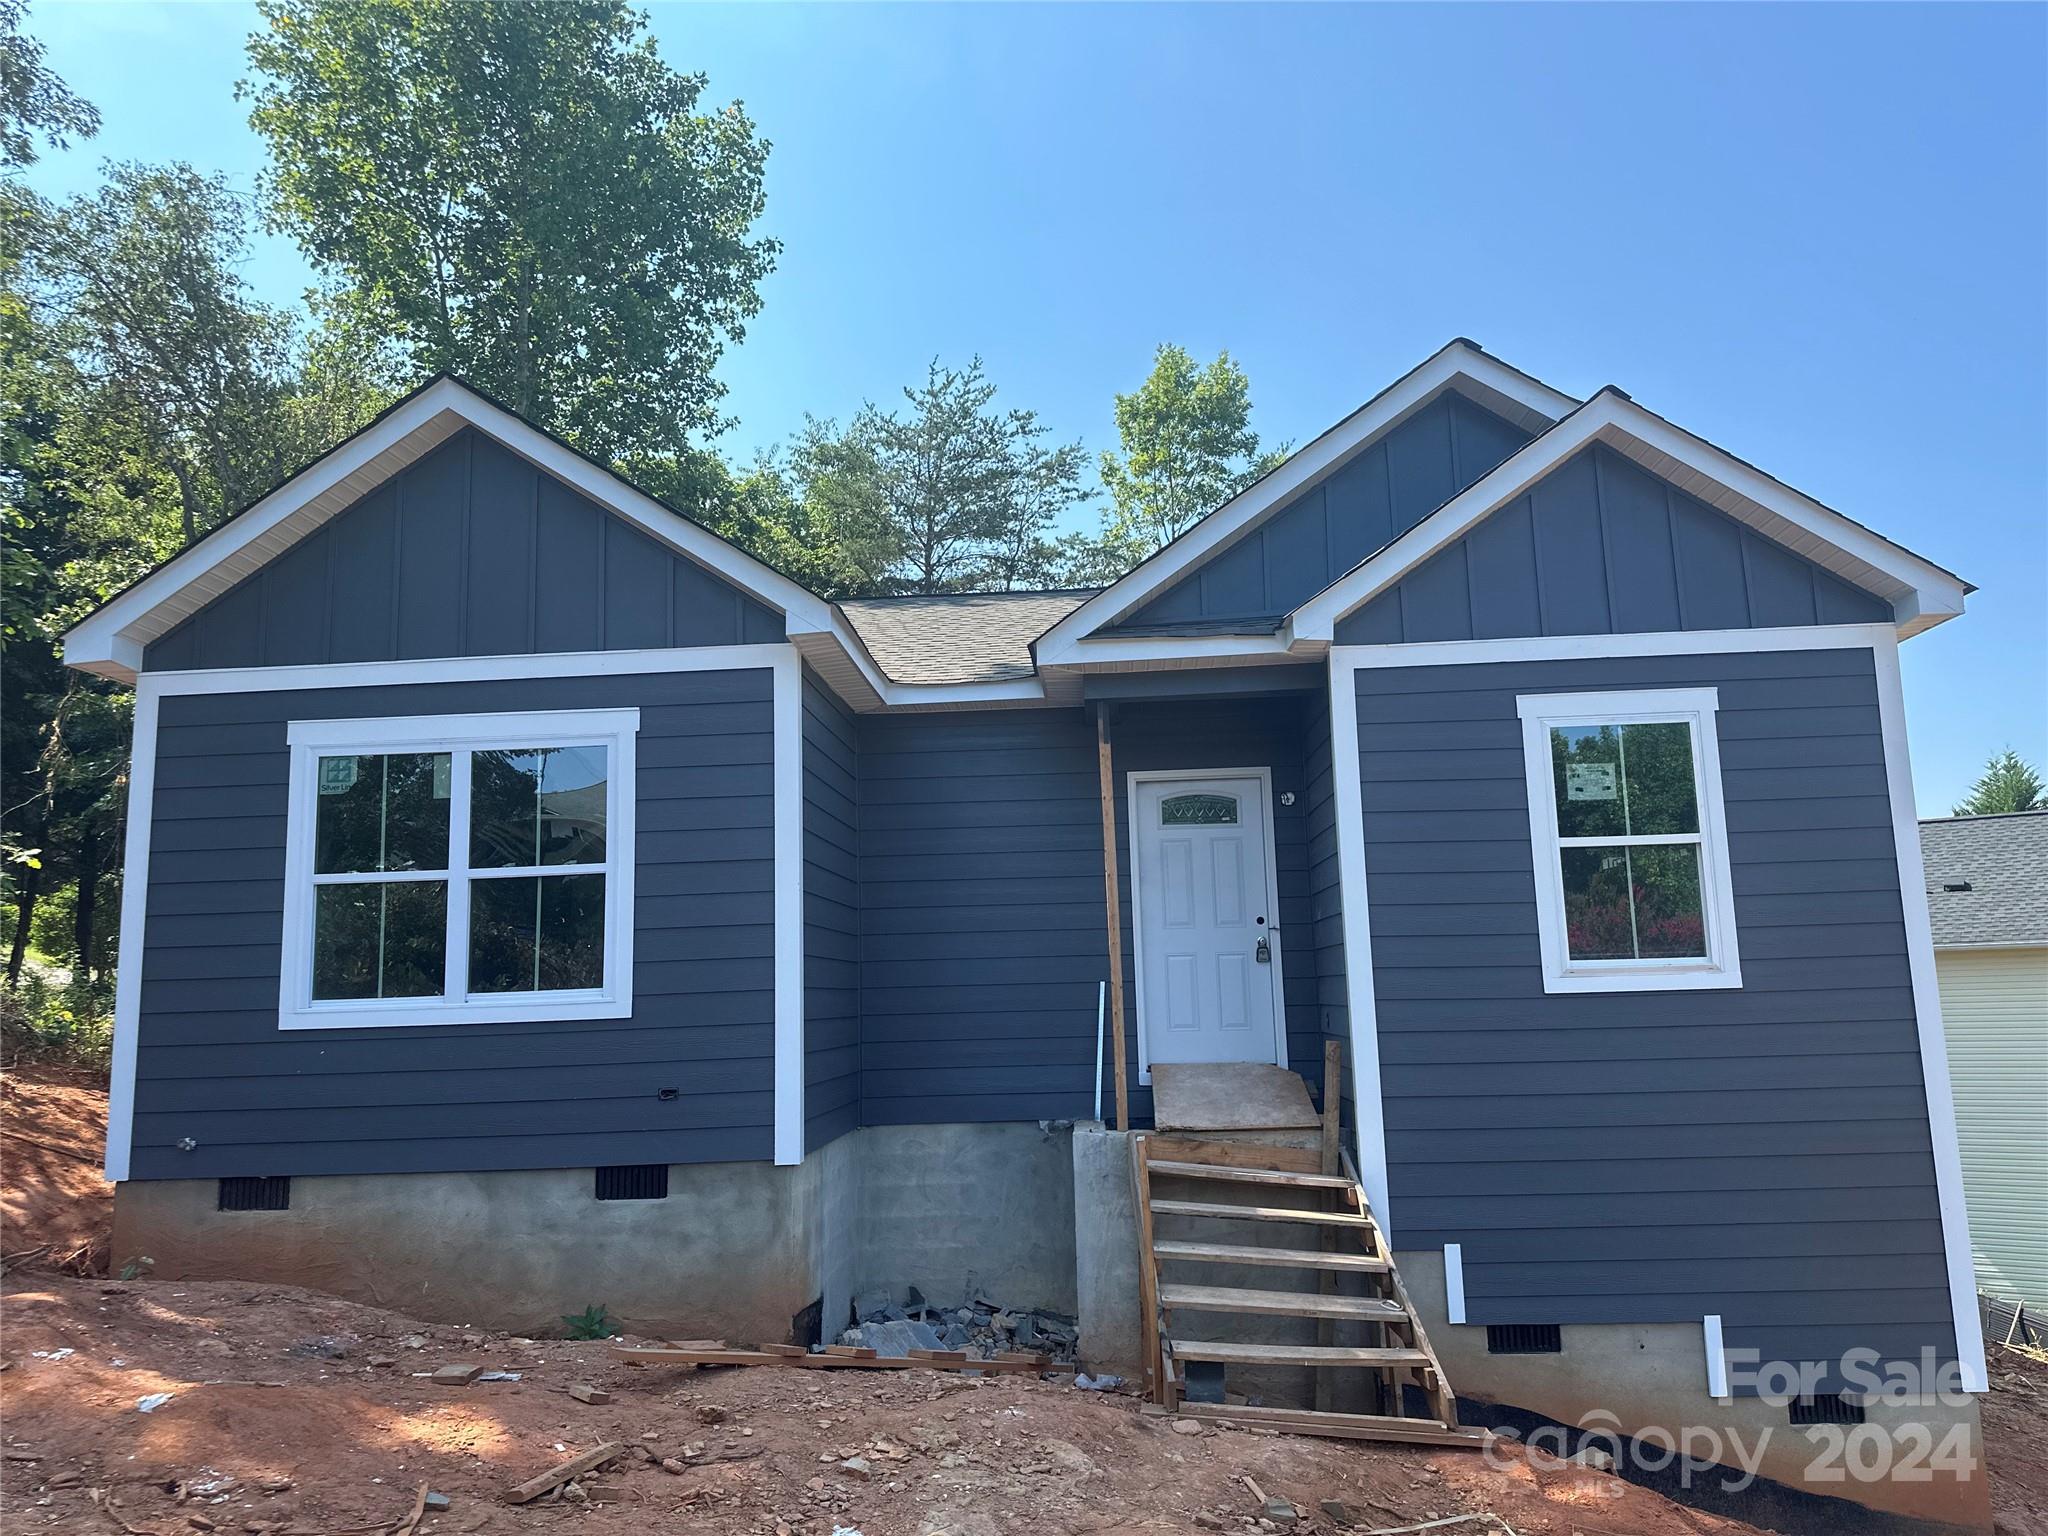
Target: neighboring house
<point x="1987" y="890"/>
<point x="492" y="823"/>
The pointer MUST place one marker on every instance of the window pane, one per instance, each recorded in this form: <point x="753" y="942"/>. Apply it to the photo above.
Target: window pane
<point x="381" y="813"/>
<point x="1657" y="780"/>
<point x="1633" y="903"/>
<point x="384" y="939"/>
<point x="1198" y="811"/>
<point x="536" y="933"/>
<point x="1586" y="766"/>
<point x="537" y="805"/>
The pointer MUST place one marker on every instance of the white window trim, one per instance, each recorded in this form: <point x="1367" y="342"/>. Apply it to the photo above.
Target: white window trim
<point x="614" y="729"/>
<point x="1694" y="707"/>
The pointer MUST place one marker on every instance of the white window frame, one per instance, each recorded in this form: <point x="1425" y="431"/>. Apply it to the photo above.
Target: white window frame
<point x="616" y="730"/>
<point x="1695" y="708"/>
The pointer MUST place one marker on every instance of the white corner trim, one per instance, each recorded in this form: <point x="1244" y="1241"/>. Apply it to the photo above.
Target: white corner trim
<point x="1923" y="593"/>
<point x="1132" y="779"/>
<point x="1358" y="981"/>
<point x="1694" y="708"/>
<point x="110" y="639"/>
<point x="1688" y="642"/>
<point x="460" y="735"/>
<point x="1717" y="1357"/>
<point x="789" y="910"/>
<point x="1454" y="1282"/>
<point x="134" y="908"/>
<point x="1934" y="1074"/>
<point x="1405" y="395"/>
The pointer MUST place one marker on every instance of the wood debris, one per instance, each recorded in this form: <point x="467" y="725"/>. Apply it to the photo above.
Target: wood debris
<point x="559" y="1474"/>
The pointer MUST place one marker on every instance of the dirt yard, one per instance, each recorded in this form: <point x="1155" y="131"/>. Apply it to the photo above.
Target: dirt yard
<point x="280" y="1412"/>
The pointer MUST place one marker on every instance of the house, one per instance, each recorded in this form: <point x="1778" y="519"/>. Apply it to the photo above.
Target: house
<point x="534" y="900"/>
<point x="1987" y="892"/>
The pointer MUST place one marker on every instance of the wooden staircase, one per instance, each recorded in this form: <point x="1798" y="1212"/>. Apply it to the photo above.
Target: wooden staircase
<point x="1316" y="1194"/>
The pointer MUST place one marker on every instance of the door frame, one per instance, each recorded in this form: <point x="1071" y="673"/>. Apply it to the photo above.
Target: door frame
<point x="1132" y="779"/>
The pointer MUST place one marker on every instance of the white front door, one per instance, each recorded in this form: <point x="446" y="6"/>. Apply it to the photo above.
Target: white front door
<point x="1208" y="961"/>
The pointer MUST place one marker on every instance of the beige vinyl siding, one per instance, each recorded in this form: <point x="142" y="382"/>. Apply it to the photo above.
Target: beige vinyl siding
<point x="1994" y="1009"/>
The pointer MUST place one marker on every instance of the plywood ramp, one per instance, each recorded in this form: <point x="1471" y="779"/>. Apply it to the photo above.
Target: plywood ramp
<point x="1225" y="1186"/>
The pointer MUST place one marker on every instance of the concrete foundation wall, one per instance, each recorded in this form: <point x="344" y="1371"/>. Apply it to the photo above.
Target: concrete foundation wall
<point x="1634" y="1378"/>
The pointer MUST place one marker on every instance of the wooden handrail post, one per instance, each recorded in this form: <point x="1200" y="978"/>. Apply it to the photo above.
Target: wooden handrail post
<point x="1113" y="906"/>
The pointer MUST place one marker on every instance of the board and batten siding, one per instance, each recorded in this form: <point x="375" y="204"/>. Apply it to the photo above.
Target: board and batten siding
<point x="1994" y="1011"/>
<point x="1363" y="504"/>
<point x="831" y="918"/>
<point x="213" y="1066"/>
<point x="1761" y="1153"/>
<point x="469" y="551"/>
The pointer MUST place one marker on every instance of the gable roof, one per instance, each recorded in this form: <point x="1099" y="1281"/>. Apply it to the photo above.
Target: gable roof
<point x="2001" y="863"/>
<point x="1460" y="365"/>
<point x="957" y="637"/>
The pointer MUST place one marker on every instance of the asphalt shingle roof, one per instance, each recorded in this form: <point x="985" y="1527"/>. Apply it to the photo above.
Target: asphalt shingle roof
<point x="2003" y="860"/>
<point x="957" y="637"/>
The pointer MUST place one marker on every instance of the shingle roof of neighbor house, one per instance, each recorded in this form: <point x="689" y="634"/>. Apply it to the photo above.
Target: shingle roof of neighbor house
<point x="958" y="637"/>
<point x="1987" y="878"/>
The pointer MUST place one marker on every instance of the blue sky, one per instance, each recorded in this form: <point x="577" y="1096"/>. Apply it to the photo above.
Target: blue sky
<point x="1815" y="235"/>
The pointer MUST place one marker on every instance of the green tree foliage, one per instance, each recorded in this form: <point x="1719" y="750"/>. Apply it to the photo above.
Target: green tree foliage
<point x="1187" y="448"/>
<point x="525" y="195"/>
<point x="2009" y="783"/>
<point x="34" y="103"/>
<point x="948" y="493"/>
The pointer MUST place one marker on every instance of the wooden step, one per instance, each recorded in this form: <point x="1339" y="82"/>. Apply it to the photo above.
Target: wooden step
<point x="1225" y="1298"/>
<point x="1259" y="1213"/>
<point x="1250" y="1175"/>
<point x="1294" y="1354"/>
<point x="1269" y="1258"/>
<point x="1342" y="1426"/>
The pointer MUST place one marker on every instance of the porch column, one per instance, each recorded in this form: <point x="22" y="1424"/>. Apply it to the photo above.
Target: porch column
<point x="1113" y="905"/>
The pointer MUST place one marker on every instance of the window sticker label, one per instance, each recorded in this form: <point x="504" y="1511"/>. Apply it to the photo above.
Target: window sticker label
<point x="337" y="775"/>
<point x="1589" y="781"/>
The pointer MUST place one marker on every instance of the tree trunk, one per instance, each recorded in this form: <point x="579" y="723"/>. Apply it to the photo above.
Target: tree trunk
<point x="83" y="919"/>
<point x="27" y="887"/>
<point x="188" y="497"/>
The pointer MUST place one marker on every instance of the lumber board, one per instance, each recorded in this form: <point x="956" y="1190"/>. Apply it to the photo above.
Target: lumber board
<point x="1294" y="1354"/>
<point x="1234" y="1154"/>
<point x="1270" y="1258"/>
<point x="1258" y="1213"/>
<point x="1342" y="1426"/>
<point x="1158" y="1378"/>
<point x="575" y="1466"/>
<point x="1229" y="1298"/>
<point x="655" y="1355"/>
<point x="1112" y="901"/>
<point x="1231" y="1174"/>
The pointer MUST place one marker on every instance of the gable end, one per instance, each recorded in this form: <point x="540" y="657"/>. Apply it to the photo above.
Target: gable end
<point x="469" y="551"/>
<point x="1601" y="546"/>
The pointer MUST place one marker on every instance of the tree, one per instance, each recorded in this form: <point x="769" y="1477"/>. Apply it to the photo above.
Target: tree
<point x="951" y="494"/>
<point x="525" y="195"/>
<point x="2007" y="784"/>
<point x="34" y="103"/>
<point x="1188" y="447"/>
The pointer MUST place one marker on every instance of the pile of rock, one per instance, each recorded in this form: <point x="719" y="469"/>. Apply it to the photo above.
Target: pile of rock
<point x="981" y="1326"/>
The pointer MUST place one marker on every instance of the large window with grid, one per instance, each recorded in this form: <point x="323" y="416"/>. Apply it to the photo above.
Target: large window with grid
<point x="459" y="869"/>
<point x="1631" y="844"/>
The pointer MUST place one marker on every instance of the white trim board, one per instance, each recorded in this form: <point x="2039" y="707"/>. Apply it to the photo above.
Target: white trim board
<point x="1921" y="593"/>
<point x="1934" y="1075"/>
<point x="153" y="687"/>
<point x="1132" y="779"/>
<point x="1458" y="365"/>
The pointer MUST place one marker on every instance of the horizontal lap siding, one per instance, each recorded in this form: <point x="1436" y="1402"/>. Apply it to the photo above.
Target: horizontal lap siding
<point x="831" y="919"/>
<point x="1760" y="1153"/>
<point x="214" y="1066"/>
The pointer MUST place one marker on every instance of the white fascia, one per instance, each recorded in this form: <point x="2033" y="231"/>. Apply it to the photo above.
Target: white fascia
<point x="1460" y="361"/>
<point x="1921" y="593"/>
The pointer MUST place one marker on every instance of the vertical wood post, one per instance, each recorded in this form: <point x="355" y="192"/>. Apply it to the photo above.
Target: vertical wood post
<point x="1113" y="905"/>
<point x="1326" y="1282"/>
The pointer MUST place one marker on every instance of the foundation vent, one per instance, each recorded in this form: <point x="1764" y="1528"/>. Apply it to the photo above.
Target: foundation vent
<point x="1524" y="1339"/>
<point x="633" y="1181"/>
<point x="256" y="1194"/>
<point x="1825" y="1408"/>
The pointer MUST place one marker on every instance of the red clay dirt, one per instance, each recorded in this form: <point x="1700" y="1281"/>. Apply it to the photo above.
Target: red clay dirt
<point x="292" y="1413"/>
<point x="52" y="1197"/>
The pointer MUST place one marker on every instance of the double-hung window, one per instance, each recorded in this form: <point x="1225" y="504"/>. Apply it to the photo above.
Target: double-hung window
<point x="1631" y="844"/>
<point x="459" y="869"/>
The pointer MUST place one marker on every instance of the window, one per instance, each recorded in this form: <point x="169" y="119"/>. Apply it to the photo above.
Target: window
<point x="459" y="869"/>
<point x="1632" y="889"/>
<point x="1198" y="811"/>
